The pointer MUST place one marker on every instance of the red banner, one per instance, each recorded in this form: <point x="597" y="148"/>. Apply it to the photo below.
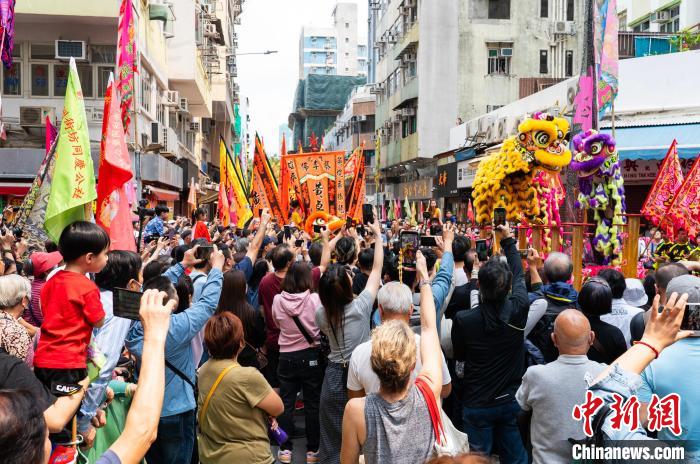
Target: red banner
<point x="685" y="207"/>
<point x="284" y="193"/>
<point x="667" y="182"/>
<point x="264" y="193"/>
<point x="321" y="181"/>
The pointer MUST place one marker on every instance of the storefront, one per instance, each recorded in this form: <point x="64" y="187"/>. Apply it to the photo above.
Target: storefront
<point x="446" y="188"/>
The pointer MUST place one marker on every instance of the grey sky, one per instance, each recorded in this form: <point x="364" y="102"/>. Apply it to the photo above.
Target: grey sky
<point x="269" y="81"/>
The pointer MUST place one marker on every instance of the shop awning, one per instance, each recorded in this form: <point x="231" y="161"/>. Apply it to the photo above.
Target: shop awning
<point x="18" y="189"/>
<point x="163" y="194"/>
<point x="652" y="142"/>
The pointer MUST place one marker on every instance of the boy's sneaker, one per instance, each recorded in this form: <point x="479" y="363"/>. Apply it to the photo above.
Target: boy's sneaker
<point x="311" y="457"/>
<point x="284" y="456"/>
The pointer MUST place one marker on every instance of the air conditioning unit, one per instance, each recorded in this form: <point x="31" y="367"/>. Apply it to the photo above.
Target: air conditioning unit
<point x="398" y="117"/>
<point x="506" y="51"/>
<point x="362" y="118"/>
<point x="391" y="38"/>
<point x="156" y="133"/>
<point x="373" y="137"/>
<point x="210" y="31"/>
<point x="404" y="10"/>
<point x="409" y="57"/>
<point x="194" y="126"/>
<point x="183" y="106"/>
<point x="237" y="7"/>
<point x="171" y="98"/>
<point x="565" y="27"/>
<point x="31" y="116"/>
<point x="410" y="3"/>
<point x="67" y="49"/>
<point x="660" y="16"/>
<point x="208" y="9"/>
<point x="407" y="112"/>
<point x="375" y="5"/>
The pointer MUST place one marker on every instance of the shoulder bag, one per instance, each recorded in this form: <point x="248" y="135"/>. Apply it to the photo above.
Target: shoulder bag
<point x="448" y="440"/>
<point x="205" y="405"/>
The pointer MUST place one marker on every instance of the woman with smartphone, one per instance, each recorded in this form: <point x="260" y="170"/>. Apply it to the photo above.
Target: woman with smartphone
<point x="434" y="211"/>
<point x="344" y="319"/>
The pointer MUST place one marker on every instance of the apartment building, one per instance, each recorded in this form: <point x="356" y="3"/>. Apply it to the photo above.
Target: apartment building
<point x="354" y="127"/>
<point x="334" y="50"/>
<point x="415" y="70"/>
<point x="658" y="15"/>
<point x="175" y="86"/>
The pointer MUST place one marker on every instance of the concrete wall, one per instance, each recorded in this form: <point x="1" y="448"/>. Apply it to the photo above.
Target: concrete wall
<point x="346" y="13"/>
<point x="528" y="32"/>
<point x="437" y="75"/>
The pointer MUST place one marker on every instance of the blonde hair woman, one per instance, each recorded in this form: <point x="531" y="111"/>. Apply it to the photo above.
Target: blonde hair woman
<point x="394" y="424"/>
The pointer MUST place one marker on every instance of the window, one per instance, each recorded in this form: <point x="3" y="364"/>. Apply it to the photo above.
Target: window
<point x="673" y="24"/>
<point x="499" y="57"/>
<point x="570" y="10"/>
<point x="543" y="62"/>
<point x="85" y="76"/>
<point x="499" y="9"/>
<point x="60" y="79"/>
<point x="12" y="79"/>
<point x="146" y="90"/>
<point x="40" y="80"/>
<point x="103" y="73"/>
<point x="347" y="25"/>
<point x="103" y="54"/>
<point x="347" y="39"/>
<point x="43" y="52"/>
<point x="490" y="108"/>
<point x="642" y="27"/>
<point x="569" y="63"/>
<point x="544" y="8"/>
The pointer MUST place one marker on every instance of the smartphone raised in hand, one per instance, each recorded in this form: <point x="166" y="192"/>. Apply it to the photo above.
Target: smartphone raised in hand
<point x="367" y="214"/>
<point x="499" y="217"/>
<point x="409" y="244"/>
<point x="428" y="241"/>
<point x="482" y="250"/>
<point x="126" y="303"/>
<point x="691" y="318"/>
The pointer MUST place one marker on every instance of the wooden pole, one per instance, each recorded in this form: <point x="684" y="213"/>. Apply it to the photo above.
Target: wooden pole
<point x="522" y="237"/>
<point x="556" y="239"/>
<point x="630" y="251"/>
<point x="577" y="254"/>
<point x="537" y="238"/>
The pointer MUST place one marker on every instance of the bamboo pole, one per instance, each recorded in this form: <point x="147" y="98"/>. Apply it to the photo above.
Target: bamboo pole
<point x="522" y="237"/>
<point x="577" y="254"/>
<point x="556" y="239"/>
<point x="537" y="238"/>
<point x="630" y="251"/>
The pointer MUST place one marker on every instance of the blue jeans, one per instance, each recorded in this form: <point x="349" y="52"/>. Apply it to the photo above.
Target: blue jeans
<point x="175" y="440"/>
<point x="494" y="430"/>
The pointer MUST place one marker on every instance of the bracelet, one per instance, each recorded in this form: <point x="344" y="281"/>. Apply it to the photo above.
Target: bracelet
<point x="423" y="282"/>
<point x="656" y="352"/>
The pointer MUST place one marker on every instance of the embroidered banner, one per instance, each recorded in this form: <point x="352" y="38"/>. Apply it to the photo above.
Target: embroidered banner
<point x="264" y="192"/>
<point x="667" y="182"/>
<point x="321" y="181"/>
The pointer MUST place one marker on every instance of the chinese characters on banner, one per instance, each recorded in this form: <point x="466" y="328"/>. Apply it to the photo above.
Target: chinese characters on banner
<point x="321" y="180"/>
<point x="264" y="193"/>
<point x="685" y="207"/>
<point x="356" y="189"/>
<point x="663" y="413"/>
<point x="667" y="183"/>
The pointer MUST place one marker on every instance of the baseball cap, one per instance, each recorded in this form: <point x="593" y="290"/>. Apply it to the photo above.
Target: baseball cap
<point x="43" y="262"/>
<point x="634" y="293"/>
<point x="266" y="241"/>
<point x="685" y="284"/>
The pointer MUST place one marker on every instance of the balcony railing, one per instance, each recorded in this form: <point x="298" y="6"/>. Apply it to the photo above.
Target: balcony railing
<point x="654" y="43"/>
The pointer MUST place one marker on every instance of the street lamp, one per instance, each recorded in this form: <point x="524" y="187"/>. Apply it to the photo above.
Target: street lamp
<point x="266" y="52"/>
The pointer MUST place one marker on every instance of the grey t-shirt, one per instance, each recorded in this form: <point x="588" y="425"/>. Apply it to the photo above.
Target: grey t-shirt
<point x="355" y="329"/>
<point x="551" y="391"/>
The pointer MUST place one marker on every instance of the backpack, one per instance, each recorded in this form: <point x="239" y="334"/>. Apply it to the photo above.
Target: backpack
<point x="540" y="339"/>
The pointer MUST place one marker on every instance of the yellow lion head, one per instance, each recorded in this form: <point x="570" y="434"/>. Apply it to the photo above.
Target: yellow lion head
<point x="547" y="139"/>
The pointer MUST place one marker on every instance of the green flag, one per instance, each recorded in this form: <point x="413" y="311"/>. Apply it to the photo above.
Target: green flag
<point x="73" y="183"/>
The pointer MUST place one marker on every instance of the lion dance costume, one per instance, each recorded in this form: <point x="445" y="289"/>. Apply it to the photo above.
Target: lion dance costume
<point x="601" y="190"/>
<point x="523" y="177"/>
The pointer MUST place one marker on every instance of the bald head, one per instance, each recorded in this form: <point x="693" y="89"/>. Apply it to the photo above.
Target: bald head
<point x="558" y="267"/>
<point x="572" y="332"/>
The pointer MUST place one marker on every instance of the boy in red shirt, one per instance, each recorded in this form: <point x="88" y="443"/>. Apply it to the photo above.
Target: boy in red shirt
<point x="72" y="307"/>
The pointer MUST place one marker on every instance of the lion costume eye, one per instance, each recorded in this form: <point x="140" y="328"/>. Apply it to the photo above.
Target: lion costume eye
<point x="541" y="138"/>
<point x="596" y="148"/>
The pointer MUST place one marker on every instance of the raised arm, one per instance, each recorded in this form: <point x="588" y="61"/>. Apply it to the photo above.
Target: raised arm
<point x="430" y="351"/>
<point x="60" y="413"/>
<point x="510" y="249"/>
<point x="442" y="282"/>
<point x="142" y="421"/>
<point x="375" y="277"/>
<point x="254" y="247"/>
<point x="328" y="246"/>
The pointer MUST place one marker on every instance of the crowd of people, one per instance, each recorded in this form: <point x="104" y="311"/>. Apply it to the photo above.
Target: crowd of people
<point x="240" y="331"/>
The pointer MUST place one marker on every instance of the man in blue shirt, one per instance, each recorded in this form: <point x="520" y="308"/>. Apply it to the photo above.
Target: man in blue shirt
<point x="176" y="430"/>
<point x="156" y="226"/>
<point x="676" y="371"/>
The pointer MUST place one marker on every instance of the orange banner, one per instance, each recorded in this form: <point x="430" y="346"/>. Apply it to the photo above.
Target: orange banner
<point x="264" y="193"/>
<point x="356" y="190"/>
<point x="321" y="181"/>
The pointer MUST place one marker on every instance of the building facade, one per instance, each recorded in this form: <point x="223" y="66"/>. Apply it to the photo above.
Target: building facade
<point x="334" y="50"/>
<point x="658" y="15"/>
<point x="184" y="86"/>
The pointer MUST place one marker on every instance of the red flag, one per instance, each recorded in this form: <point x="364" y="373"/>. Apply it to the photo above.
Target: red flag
<point x="685" y="207"/>
<point x="668" y="180"/>
<point x="126" y="59"/>
<point x="470" y="212"/>
<point x="264" y="193"/>
<point x="223" y="206"/>
<point x="52" y="133"/>
<point x="113" y="212"/>
<point x="284" y="181"/>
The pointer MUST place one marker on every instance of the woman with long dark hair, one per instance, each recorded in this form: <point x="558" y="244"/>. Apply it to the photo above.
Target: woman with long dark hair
<point x="260" y="268"/>
<point x="293" y="311"/>
<point x="345" y="321"/>
<point x="233" y="300"/>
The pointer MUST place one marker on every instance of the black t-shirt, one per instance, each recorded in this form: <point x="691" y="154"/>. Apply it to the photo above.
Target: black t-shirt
<point x="610" y="343"/>
<point x="359" y="281"/>
<point x="16" y="375"/>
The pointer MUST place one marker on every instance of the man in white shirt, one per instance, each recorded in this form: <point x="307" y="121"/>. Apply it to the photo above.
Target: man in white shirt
<point x="622" y="313"/>
<point x="395" y="303"/>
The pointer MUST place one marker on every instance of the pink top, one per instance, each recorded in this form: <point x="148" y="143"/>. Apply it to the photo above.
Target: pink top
<point x="303" y="305"/>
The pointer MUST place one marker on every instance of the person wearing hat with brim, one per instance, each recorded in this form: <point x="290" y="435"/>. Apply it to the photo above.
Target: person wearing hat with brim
<point x="42" y="264"/>
<point x="677" y="370"/>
